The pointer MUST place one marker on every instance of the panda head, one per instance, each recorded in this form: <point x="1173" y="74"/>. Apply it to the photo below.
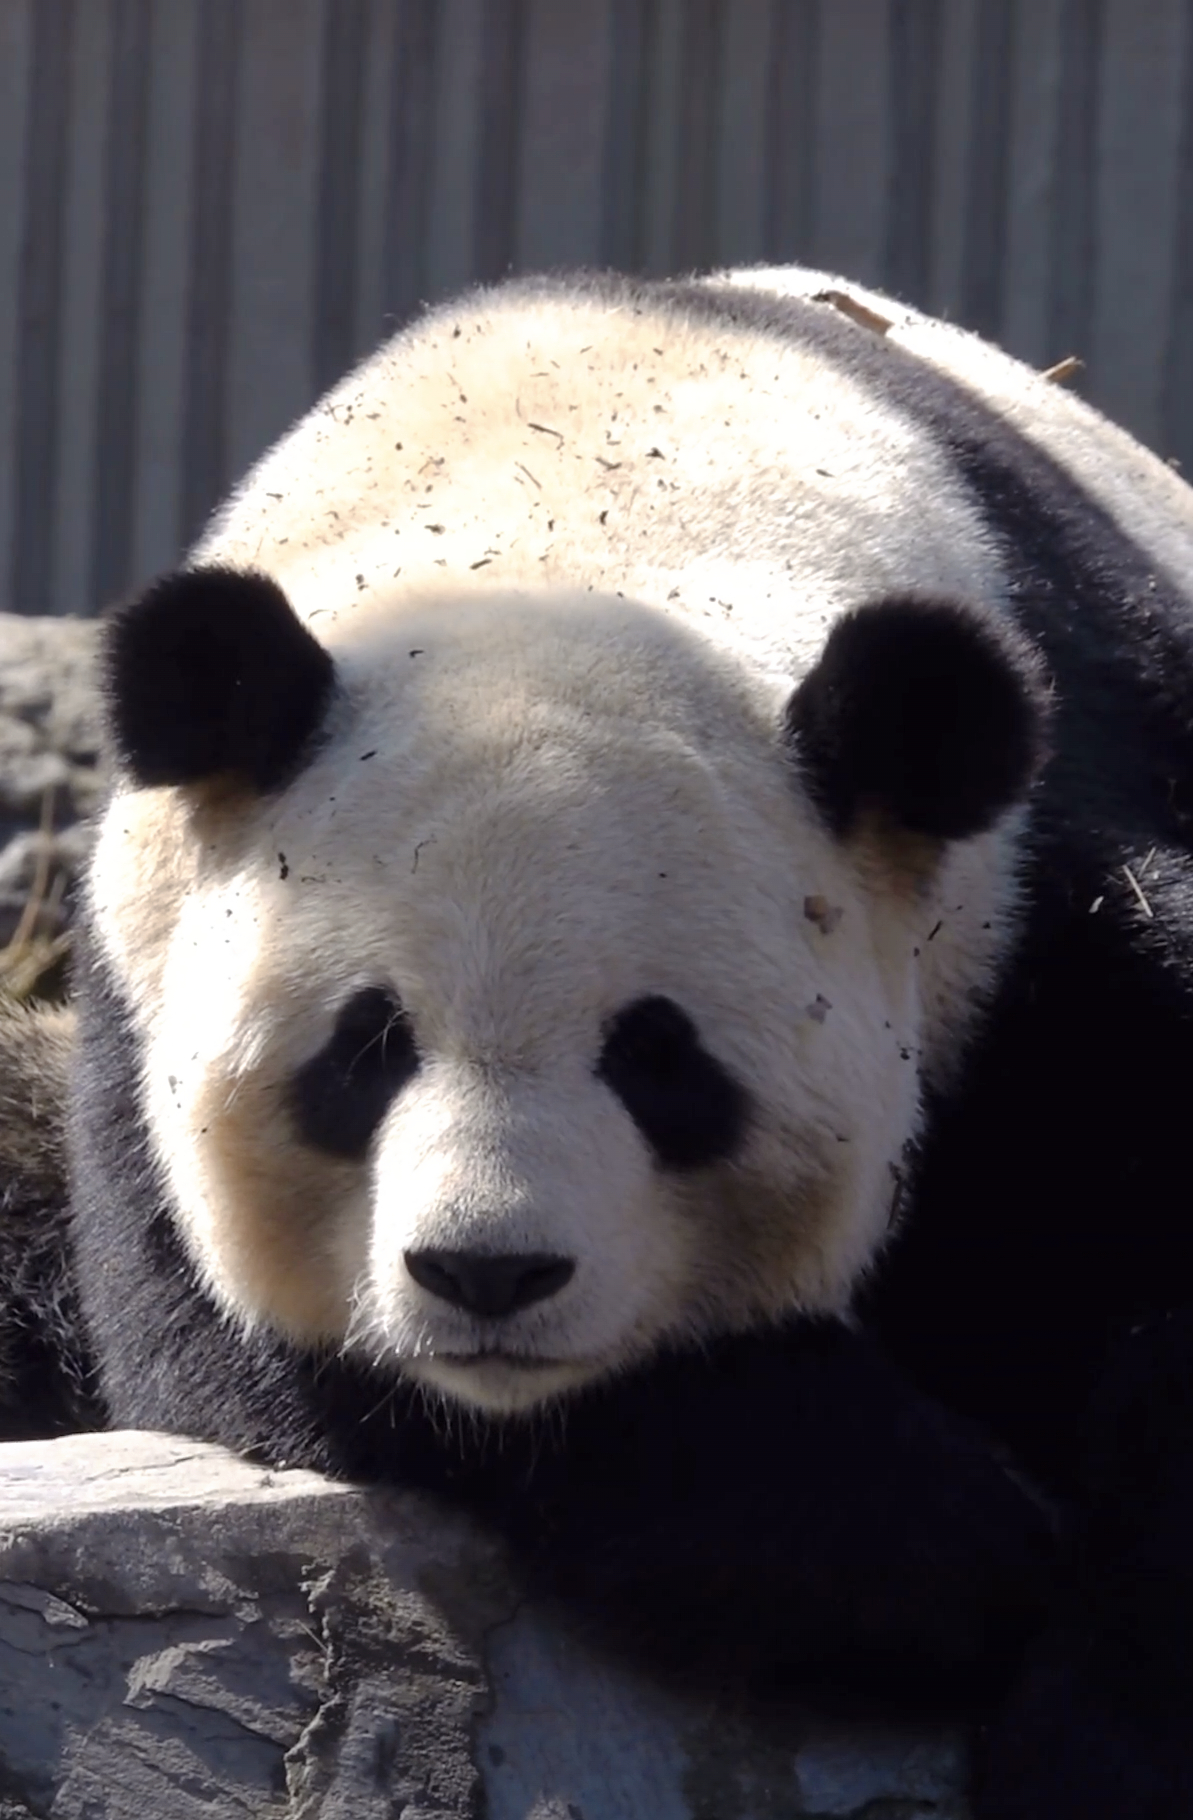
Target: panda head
<point x="522" y="986"/>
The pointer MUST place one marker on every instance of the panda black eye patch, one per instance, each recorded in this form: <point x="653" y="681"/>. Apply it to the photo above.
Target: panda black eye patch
<point x="687" y="1106"/>
<point x="341" y="1095"/>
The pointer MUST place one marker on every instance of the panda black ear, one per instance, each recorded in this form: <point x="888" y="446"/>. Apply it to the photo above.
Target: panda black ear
<point x="208" y="673"/>
<point x="925" y="711"/>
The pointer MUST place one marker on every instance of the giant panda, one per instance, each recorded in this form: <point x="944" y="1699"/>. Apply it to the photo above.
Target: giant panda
<point x="637" y="975"/>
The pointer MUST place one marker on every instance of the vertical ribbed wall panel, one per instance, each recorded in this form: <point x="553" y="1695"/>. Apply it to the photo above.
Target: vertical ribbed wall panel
<point x="209" y="208"/>
<point x="16" y="87"/>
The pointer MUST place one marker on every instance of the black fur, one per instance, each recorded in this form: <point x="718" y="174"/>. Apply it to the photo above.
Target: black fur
<point x="686" y="1104"/>
<point x="340" y="1096"/>
<point x="209" y="674"/>
<point x="799" y="1498"/>
<point x="46" y="1385"/>
<point x="923" y="710"/>
<point x="1057" y="1309"/>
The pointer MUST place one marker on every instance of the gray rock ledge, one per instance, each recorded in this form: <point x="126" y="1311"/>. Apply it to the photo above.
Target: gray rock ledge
<point x="184" y="1636"/>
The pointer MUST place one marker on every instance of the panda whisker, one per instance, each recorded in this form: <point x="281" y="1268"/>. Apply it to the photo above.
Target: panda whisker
<point x="552" y="1422"/>
<point x="440" y="1412"/>
<point x="387" y="1396"/>
<point x="361" y="1317"/>
<point x="378" y="1039"/>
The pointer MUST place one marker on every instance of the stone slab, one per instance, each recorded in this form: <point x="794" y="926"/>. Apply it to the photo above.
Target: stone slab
<point x="189" y="1637"/>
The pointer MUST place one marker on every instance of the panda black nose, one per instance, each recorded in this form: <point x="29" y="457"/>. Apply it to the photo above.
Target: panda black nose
<point x="489" y="1284"/>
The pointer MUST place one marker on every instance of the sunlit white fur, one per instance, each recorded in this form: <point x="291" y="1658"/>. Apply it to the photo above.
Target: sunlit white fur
<point x="570" y="561"/>
<point x="1137" y="490"/>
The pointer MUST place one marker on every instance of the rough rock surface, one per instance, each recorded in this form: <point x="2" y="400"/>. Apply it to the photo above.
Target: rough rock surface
<point x="188" y="1637"/>
<point x="49" y="775"/>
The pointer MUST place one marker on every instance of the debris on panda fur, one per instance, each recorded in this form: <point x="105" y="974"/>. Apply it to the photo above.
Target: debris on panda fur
<point x="673" y="1101"/>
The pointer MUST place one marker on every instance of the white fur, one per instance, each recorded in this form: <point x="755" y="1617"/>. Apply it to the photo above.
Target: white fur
<point x="570" y="560"/>
<point x="1140" y="492"/>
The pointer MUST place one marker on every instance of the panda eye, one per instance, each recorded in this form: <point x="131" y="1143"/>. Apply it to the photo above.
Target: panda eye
<point x="341" y="1095"/>
<point x="687" y="1106"/>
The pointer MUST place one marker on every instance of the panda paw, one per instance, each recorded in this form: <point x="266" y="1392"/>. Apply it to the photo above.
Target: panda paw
<point x="1066" y="1749"/>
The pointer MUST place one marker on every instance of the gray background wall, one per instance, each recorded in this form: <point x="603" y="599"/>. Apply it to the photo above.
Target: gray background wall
<point x="209" y="207"/>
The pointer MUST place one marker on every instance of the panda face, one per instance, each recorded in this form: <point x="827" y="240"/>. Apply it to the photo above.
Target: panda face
<point x="539" y="1019"/>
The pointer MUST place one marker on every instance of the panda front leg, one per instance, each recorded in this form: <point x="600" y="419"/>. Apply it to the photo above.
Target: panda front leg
<point x="785" y="1506"/>
<point x="1100" y="1725"/>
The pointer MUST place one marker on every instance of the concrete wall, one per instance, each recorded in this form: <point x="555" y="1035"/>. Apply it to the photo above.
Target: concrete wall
<point x="209" y="207"/>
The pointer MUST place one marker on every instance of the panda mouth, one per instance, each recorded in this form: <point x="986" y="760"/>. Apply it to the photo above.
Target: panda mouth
<point x="515" y="1361"/>
<point x="499" y="1381"/>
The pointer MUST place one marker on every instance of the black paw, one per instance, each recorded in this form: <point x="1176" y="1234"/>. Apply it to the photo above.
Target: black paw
<point x="1068" y="1747"/>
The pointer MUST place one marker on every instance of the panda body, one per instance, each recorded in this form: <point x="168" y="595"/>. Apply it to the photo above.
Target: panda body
<point x="649" y="880"/>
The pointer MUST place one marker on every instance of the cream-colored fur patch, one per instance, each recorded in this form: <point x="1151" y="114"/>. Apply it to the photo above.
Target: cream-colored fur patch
<point x="571" y="558"/>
